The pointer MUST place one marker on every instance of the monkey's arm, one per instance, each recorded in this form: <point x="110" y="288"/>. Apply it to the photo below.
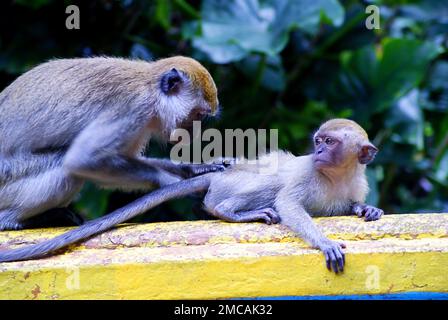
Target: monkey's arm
<point x="293" y="215"/>
<point x="185" y="170"/>
<point x="105" y="153"/>
<point x="369" y="212"/>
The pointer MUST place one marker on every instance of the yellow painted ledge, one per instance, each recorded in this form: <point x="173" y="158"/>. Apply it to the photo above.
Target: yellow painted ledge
<point x="213" y="259"/>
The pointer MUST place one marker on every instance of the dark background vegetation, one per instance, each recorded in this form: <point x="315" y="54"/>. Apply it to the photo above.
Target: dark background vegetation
<point x="286" y="64"/>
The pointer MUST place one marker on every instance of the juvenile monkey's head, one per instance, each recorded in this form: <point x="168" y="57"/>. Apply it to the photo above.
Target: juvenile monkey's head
<point x="186" y="92"/>
<point x="341" y="144"/>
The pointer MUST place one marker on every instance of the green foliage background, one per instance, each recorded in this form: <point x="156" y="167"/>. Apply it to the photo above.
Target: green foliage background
<point x="286" y="64"/>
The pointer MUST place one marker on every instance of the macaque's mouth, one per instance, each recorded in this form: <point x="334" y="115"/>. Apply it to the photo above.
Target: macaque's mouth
<point x="321" y="162"/>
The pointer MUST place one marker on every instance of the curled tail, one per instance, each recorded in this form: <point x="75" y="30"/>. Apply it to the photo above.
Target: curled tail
<point x="173" y="191"/>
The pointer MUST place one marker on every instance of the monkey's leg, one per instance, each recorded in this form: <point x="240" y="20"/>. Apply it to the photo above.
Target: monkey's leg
<point x="226" y="211"/>
<point x="33" y="195"/>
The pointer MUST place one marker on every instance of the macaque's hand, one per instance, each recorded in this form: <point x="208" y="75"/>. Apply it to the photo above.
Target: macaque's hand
<point x="370" y="213"/>
<point x="193" y="170"/>
<point x="226" y="162"/>
<point x="334" y="256"/>
<point x="220" y="164"/>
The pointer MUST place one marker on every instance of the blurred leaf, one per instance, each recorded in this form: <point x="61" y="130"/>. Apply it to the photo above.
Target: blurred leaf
<point x="441" y="172"/>
<point x="139" y="51"/>
<point x="163" y="13"/>
<point x="426" y="10"/>
<point x="402" y="67"/>
<point x="371" y="81"/>
<point x="372" y="179"/>
<point x="435" y="97"/>
<point x="92" y="202"/>
<point x="405" y="118"/>
<point x="234" y="28"/>
<point x="273" y="75"/>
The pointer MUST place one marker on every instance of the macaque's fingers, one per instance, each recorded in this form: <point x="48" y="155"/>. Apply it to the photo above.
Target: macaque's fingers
<point x="340" y="256"/>
<point x="334" y="256"/>
<point x="199" y="169"/>
<point x="258" y="216"/>
<point x="273" y="215"/>
<point x="330" y="259"/>
<point x="226" y="162"/>
<point x="373" y="213"/>
<point x="334" y="261"/>
<point x="267" y="219"/>
<point x="378" y="213"/>
<point x="367" y="216"/>
<point x="359" y="211"/>
<point x="342" y="246"/>
<point x="327" y="260"/>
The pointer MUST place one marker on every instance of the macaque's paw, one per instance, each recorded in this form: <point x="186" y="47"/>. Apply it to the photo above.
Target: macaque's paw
<point x="370" y="213"/>
<point x="227" y="162"/>
<point x="334" y="256"/>
<point x="269" y="215"/>
<point x="193" y="170"/>
<point x="7" y="225"/>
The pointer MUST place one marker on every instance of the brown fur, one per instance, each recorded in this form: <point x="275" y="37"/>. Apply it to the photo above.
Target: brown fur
<point x="346" y="124"/>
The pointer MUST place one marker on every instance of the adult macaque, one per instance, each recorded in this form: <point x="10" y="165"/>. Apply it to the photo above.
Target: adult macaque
<point x="329" y="182"/>
<point x="71" y="120"/>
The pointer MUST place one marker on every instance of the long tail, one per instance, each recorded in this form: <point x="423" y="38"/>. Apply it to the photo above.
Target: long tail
<point x="173" y="191"/>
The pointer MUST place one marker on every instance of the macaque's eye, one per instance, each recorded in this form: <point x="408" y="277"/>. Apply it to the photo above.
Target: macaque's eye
<point x="317" y="141"/>
<point x="329" y="141"/>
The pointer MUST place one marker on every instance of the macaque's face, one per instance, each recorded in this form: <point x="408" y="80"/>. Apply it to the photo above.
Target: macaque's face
<point x="328" y="150"/>
<point x="335" y="150"/>
<point x="182" y="101"/>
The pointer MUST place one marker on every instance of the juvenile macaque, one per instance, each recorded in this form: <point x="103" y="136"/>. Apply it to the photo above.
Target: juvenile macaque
<point x="329" y="182"/>
<point x="71" y="120"/>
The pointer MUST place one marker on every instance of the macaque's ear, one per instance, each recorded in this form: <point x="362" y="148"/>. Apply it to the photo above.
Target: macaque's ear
<point x="367" y="153"/>
<point x="171" y="81"/>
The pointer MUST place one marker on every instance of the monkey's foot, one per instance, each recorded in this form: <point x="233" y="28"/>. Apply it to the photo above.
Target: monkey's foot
<point x="8" y="225"/>
<point x="268" y="215"/>
<point x="334" y="256"/>
<point x="370" y="213"/>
